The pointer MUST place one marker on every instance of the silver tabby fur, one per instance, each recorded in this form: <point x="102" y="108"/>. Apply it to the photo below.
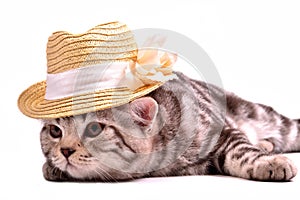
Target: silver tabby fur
<point x="185" y="127"/>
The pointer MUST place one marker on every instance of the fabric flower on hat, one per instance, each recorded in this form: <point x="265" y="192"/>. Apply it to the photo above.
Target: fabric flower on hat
<point x="154" y="66"/>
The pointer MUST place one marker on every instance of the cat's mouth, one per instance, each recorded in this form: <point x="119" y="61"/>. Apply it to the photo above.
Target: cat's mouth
<point x="71" y="168"/>
<point x="74" y="169"/>
<point x="66" y="165"/>
<point x="77" y="166"/>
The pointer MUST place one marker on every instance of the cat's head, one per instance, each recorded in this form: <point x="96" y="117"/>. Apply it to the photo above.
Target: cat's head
<point x="101" y="144"/>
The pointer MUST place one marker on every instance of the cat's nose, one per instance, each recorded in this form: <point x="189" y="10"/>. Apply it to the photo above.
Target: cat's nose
<point x="67" y="152"/>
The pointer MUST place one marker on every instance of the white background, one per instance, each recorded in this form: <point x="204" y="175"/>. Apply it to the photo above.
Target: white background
<point x="255" y="46"/>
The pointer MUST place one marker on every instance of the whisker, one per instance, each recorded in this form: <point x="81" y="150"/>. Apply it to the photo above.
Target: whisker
<point x="106" y="175"/>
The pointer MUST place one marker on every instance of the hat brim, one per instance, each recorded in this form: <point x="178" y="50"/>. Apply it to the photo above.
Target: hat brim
<point x="32" y="102"/>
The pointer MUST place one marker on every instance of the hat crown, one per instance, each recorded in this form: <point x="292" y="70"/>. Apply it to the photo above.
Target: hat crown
<point x="111" y="42"/>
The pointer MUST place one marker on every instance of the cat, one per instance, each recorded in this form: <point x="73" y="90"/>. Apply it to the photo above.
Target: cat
<point x="185" y="127"/>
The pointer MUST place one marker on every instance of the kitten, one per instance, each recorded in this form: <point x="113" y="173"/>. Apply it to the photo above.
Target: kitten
<point x="185" y="127"/>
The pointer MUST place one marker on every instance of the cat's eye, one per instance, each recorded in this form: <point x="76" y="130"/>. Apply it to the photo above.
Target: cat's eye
<point x="55" y="131"/>
<point x="93" y="129"/>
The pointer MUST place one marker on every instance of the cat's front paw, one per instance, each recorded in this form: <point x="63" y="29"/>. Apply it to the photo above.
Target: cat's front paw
<point x="53" y="174"/>
<point x="273" y="168"/>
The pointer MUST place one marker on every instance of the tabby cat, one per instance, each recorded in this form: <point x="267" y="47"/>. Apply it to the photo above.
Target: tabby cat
<point x="185" y="127"/>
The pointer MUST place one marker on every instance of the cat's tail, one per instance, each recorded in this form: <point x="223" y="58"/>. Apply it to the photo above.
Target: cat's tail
<point x="294" y="137"/>
<point x="289" y="136"/>
<point x="274" y="131"/>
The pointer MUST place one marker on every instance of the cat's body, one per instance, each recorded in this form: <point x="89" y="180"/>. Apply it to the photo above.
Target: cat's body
<point x="185" y="127"/>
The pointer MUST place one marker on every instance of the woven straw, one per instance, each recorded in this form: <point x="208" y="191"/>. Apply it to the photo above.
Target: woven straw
<point x="111" y="42"/>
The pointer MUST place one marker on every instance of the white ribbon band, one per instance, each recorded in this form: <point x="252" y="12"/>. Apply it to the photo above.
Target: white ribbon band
<point x="90" y="79"/>
<point x="151" y="67"/>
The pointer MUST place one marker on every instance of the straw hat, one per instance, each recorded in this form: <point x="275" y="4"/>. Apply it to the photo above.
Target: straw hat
<point x="96" y="70"/>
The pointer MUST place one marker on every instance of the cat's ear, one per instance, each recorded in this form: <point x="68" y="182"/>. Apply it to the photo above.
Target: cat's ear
<point x="144" y="110"/>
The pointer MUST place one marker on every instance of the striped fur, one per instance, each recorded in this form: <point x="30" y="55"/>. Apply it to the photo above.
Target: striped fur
<point x="185" y="127"/>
